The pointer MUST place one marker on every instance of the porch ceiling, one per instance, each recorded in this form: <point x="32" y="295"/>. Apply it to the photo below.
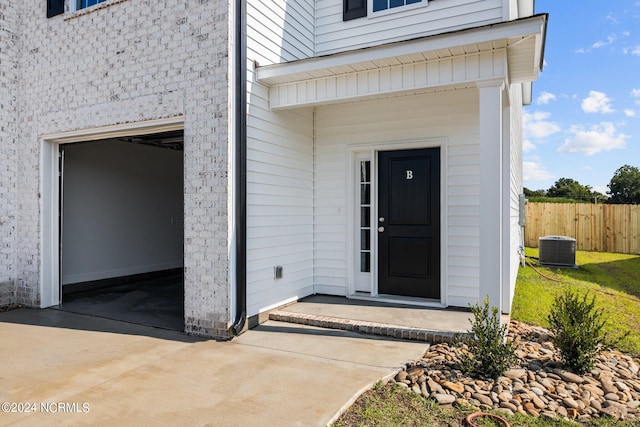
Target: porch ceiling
<point x="512" y="50"/>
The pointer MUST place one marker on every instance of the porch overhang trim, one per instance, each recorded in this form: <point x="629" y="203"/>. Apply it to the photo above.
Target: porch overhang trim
<point x="426" y="76"/>
<point x="511" y="50"/>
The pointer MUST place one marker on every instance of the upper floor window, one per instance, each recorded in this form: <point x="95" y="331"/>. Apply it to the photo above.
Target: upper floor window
<point x="353" y="9"/>
<point x="86" y="3"/>
<point x="56" y="7"/>
<point x="379" y="5"/>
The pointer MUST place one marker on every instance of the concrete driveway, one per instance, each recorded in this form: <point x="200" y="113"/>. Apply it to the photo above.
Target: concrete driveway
<point x="70" y="369"/>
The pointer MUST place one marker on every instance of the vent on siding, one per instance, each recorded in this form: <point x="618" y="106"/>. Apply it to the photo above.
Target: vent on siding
<point x="557" y="251"/>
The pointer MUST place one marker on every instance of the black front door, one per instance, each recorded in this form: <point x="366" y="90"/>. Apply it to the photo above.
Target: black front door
<point x="409" y="223"/>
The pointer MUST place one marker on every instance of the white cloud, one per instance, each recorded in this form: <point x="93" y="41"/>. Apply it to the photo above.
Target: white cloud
<point x="612" y="18"/>
<point x="636" y="51"/>
<point x="528" y="146"/>
<point x="534" y="171"/>
<point x="629" y="113"/>
<point x="537" y="126"/>
<point x="597" y="138"/>
<point x="597" y="102"/>
<point x="545" y="97"/>
<point x="601" y="188"/>
<point x="636" y="94"/>
<point x="612" y="38"/>
<point x="535" y="116"/>
<point x="541" y="129"/>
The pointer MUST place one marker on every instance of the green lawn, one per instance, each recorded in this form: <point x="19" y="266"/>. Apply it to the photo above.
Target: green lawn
<point x="614" y="279"/>
<point x="390" y="406"/>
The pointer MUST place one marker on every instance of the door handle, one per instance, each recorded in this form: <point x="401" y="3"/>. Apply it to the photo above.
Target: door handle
<point x="381" y="229"/>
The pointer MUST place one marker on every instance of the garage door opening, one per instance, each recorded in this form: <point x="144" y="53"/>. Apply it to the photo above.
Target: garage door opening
<point x="121" y="228"/>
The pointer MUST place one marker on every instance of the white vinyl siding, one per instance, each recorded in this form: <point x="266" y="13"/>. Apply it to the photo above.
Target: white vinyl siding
<point x="279" y="206"/>
<point x="453" y="117"/>
<point x="300" y="136"/>
<point x="515" y="189"/>
<point x="280" y="31"/>
<point x="279" y="163"/>
<point x="331" y="208"/>
<point x="333" y="35"/>
<point x="463" y="224"/>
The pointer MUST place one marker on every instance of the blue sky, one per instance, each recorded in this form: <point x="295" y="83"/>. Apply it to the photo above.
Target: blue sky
<point x="584" y="119"/>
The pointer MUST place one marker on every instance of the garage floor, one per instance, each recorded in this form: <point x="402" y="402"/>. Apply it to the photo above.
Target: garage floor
<point x="157" y="302"/>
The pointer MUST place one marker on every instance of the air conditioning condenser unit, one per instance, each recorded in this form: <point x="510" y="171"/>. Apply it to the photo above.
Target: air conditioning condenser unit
<point x="557" y="251"/>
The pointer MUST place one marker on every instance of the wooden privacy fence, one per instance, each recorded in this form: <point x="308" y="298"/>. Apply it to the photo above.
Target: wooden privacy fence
<point x="602" y="228"/>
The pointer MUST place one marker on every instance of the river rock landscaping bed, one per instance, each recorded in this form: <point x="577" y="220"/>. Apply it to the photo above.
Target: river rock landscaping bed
<point x="539" y="387"/>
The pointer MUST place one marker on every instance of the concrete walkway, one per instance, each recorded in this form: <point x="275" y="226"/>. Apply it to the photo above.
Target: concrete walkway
<point x="92" y="371"/>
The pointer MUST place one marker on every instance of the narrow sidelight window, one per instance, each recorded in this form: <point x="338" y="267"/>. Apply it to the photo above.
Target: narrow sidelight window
<point x="365" y="216"/>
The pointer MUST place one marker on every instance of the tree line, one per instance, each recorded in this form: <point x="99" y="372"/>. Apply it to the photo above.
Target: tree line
<point x="624" y="188"/>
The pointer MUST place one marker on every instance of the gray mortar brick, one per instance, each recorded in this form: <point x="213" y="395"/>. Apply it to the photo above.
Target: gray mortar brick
<point x="122" y="61"/>
<point x="8" y="123"/>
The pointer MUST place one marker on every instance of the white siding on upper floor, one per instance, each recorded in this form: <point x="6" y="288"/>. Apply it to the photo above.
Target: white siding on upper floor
<point x="280" y="30"/>
<point x="439" y="16"/>
<point x="452" y="116"/>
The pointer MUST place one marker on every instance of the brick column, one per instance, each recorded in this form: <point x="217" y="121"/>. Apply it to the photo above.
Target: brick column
<point x="8" y="118"/>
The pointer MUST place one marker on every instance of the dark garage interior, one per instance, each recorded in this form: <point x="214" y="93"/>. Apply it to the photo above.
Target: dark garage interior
<point x="121" y="229"/>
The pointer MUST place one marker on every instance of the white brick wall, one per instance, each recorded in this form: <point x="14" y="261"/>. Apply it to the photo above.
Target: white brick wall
<point x="8" y="117"/>
<point x="123" y="62"/>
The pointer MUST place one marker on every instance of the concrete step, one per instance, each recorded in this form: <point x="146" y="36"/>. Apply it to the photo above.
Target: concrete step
<point x="366" y="327"/>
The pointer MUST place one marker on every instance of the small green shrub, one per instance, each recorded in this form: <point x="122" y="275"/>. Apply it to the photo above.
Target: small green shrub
<point x="491" y="353"/>
<point x="578" y="330"/>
